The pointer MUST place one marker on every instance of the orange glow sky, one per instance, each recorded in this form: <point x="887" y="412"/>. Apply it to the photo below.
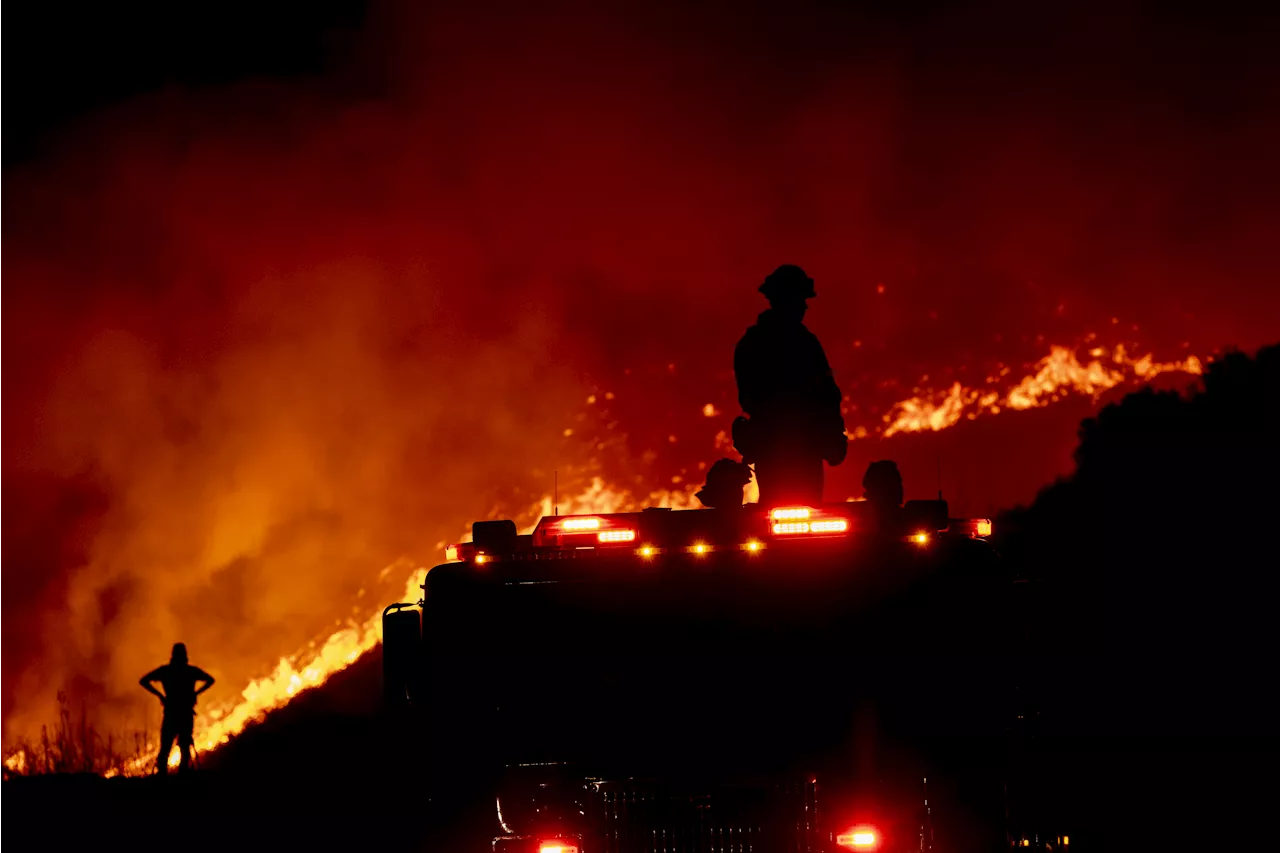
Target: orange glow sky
<point x="265" y="337"/>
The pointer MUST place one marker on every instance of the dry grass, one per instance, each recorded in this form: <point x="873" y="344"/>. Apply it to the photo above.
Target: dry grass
<point x="73" y="745"/>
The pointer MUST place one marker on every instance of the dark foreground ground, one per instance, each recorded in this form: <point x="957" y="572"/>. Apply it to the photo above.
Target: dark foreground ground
<point x="331" y="772"/>
<point x="327" y="772"/>
<point x="1118" y="795"/>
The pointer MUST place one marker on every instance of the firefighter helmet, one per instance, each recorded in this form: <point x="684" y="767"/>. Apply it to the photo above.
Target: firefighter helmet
<point x="788" y="280"/>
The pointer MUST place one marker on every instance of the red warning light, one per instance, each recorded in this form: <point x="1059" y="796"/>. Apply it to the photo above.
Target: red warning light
<point x="789" y="521"/>
<point x="785" y="527"/>
<point x="557" y="846"/>
<point x="859" y="838"/>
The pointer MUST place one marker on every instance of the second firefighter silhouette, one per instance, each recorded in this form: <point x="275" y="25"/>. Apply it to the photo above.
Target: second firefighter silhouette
<point x="793" y="420"/>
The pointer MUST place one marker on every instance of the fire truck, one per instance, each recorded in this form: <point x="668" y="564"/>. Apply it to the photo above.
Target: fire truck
<point x="773" y="679"/>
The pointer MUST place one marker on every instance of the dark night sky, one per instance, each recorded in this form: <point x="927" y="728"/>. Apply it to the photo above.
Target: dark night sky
<point x="288" y="284"/>
<point x="73" y="58"/>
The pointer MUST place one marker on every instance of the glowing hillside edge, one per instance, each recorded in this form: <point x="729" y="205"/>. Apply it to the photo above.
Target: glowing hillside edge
<point x="1056" y="376"/>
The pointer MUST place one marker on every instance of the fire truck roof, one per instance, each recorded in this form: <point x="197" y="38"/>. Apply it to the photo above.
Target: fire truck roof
<point x="651" y="532"/>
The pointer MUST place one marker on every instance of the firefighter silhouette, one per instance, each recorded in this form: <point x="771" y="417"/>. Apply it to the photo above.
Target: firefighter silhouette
<point x="791" y="402"/>
<point x="178" y="678"/>
<point x="725" y="482"/>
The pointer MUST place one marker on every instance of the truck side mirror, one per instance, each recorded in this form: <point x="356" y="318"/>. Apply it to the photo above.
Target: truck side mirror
<point x="401" y="647"/>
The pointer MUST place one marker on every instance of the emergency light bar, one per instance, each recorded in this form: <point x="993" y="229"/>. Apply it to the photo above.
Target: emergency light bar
<point x="977" y="528"/>
<point x="699" y="533"/>
<point x="805" y="520"/>
<point x="585" y="531"/>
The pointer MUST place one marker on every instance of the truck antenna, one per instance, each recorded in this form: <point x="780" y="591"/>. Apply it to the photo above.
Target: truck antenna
<point x="555" y="499"/>
<point x="939" y="475"/>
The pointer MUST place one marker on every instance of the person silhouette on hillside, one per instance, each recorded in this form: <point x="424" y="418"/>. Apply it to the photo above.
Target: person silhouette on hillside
<point x="882" y="488"/>
<point x="178" y="678"/>
<point x="791" y="402"/>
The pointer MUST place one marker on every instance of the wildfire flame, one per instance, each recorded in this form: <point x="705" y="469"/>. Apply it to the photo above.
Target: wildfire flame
<point x="1057" y="375"/>
<point x="292" y="675"/>
<point x="311" y="668"/>
<point x="17" y="762"/>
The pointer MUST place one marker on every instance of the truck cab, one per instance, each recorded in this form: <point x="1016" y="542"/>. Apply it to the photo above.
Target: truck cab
<point x="792" y="678"/>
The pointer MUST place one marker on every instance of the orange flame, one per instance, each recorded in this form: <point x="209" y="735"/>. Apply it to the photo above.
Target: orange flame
<point x="1056" y="376"/>
<point x="312" y="667"/>
<point x="292" y="675"/>
<point x="17" y="762"/>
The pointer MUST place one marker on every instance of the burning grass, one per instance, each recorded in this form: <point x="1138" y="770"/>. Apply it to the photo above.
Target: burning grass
<point x="1059" y="374"/>
<point x="73" y="745"/>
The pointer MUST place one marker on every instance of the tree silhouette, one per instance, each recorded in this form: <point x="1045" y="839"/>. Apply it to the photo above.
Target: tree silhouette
<point x="1159" y="560"/>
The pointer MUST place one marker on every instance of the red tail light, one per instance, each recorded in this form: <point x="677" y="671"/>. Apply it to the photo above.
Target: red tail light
<point x="859" y="838"/>
<point x="557" y="846"/>
<point x="616" y="536"/>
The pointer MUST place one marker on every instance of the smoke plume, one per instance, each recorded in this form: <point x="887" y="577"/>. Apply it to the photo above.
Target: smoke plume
<point x="264" y="338"/>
